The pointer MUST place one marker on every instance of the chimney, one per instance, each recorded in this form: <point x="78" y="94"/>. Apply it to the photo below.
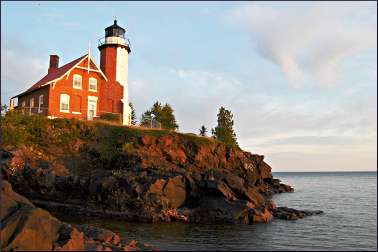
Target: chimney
<point x="54" y="63"/>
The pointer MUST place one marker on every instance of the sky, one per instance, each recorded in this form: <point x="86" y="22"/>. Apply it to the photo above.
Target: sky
<point x="299" y="77"/>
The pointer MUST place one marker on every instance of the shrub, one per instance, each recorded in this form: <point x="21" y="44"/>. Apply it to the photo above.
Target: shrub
<point x="23" y="129"/>
<point x="127" y="147"/>
<point x="110" y="117"/>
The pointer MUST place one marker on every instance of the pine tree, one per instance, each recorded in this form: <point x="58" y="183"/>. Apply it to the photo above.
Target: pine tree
<point x="146" y="118"/>
<point x="163" y="115"/>
<point x="202" y="130"/>
<point x="224" y="130"/>
<point x="133" y="114"/>
<point x="167" y="118"/>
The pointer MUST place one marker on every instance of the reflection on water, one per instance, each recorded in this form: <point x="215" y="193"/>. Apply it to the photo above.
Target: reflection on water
<point x="349" y="201"/>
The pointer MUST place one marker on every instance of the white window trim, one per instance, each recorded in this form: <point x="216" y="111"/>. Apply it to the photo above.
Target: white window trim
<point x="60" y="104"/>
<point x="89" y="84"/>
<point x="40" y="103"/>
<point x="92" y="97"/>
<point x="73" y="81"/>
<point x="76" y="113"/>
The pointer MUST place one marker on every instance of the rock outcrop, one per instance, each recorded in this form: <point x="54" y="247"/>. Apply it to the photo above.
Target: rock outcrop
<point x="96" y="169"/>
<point x="26" y="227"/>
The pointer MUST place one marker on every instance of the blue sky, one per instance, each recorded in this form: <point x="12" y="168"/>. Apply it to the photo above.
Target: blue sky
<point x="300" y="78"/>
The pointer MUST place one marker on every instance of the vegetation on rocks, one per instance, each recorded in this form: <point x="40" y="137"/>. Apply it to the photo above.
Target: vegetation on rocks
<point x="98" y="168"/>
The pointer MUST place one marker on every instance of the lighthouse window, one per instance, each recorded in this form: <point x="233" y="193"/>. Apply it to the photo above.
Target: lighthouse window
<point x="93" y="84"/>
<point x="77" y="81"/>
<point x="64" y="103"/>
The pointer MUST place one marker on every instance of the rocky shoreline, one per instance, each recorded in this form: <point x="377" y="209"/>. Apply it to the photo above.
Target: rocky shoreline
<point x="26" y="227"/>
<point x="99" y="170"/>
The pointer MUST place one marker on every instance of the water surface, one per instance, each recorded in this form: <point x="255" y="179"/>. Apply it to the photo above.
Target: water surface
<point x="349" y="200"/>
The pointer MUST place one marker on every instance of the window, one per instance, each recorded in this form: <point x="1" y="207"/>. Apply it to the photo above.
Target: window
<point x="40" y="102"/>
<point x="31" y="105"/>
<point x="77" y="81"/>
<point x="92" y="107"/>
<point x="92" y="84"/>
<point x="64" y="103"/>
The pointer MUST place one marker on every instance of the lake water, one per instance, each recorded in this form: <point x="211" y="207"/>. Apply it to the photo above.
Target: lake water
<point x="349" y="200"/>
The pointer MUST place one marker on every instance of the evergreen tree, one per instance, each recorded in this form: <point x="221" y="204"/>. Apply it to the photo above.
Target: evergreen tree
<point x="167" y="118"/>
<point x="213" y="133"/>
<point x="146" y="118"/>
<point x="202" y="130"/>
<point x="156" y="110"/>
<point x="163" y="115"/>
<point x="224" y="130"/>
<point x="133" y="114"/>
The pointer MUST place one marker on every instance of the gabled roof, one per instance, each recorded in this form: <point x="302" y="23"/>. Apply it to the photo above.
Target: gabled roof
<point x="58" y="74"/>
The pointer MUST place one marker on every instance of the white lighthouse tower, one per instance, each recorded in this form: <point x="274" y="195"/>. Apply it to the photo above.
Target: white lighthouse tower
<point x="114" y="52"/>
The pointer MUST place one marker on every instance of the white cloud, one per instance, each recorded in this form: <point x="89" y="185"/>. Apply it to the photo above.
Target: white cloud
<point x="310" y="41"/>
<point x="20" y="69"/>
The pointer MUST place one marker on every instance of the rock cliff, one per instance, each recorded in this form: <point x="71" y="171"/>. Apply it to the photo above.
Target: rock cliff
<point x="99" y="169"/>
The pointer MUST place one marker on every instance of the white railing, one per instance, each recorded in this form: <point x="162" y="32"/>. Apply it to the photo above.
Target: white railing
<point x="114" y="40"/>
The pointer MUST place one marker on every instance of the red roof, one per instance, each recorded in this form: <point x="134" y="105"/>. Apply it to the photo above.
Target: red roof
<point x="59" y="72"/>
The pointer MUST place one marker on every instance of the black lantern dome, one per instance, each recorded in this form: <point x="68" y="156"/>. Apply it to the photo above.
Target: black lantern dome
<point x="115" y="31"/>
<point x="114" y="36"/>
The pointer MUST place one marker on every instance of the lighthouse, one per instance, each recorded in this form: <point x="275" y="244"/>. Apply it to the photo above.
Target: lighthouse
<point x="114" y="55"/>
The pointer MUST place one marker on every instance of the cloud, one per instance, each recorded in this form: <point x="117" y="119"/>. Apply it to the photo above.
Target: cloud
<point x="309" y="42"/>
<point x="20" y="69"/>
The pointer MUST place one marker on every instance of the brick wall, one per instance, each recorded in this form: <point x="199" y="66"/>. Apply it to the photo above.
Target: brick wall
<point x="112" y="91"/>
<point x="78" y="107"/>
<point x="109" y="95"/>
<point x="43" y="109"/>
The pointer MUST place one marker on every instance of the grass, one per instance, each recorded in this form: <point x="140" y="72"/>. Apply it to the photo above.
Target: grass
<point x="105" y="140"/>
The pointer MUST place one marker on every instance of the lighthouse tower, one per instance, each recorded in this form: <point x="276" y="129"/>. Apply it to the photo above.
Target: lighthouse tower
<point x="114" y="53"/>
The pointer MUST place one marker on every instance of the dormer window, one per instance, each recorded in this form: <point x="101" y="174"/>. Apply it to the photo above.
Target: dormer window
<point x="77" y="81"/>
<point x="92" y="84"/>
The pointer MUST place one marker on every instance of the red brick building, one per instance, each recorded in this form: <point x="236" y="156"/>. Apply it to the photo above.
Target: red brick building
<point x="81" y="89"/>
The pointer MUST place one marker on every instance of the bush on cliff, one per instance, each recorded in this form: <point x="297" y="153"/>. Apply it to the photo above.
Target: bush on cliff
<point x="105" y="142"/>
<point x="20" y="129"/>
<point x="110" y="117"/>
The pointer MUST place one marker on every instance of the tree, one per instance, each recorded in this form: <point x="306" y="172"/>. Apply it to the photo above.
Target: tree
<point x="4" y="109"/>
<point x="167" y="118"/>
<point x="224" y="131"/>
<point x="163" y="115"/>
<point x="133" y="114"/>
<point x="202" y="130"/>
<point x="146" y="119"/>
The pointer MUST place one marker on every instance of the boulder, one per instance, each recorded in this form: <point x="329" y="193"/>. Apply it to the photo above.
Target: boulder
<point x="175" y="191"/>
<point x="286" y="213"/>
<point x="26" y="227"/>
<point x="99" y="234"/>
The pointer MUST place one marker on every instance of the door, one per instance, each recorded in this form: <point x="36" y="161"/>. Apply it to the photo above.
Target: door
<point x="92" y="106"/>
